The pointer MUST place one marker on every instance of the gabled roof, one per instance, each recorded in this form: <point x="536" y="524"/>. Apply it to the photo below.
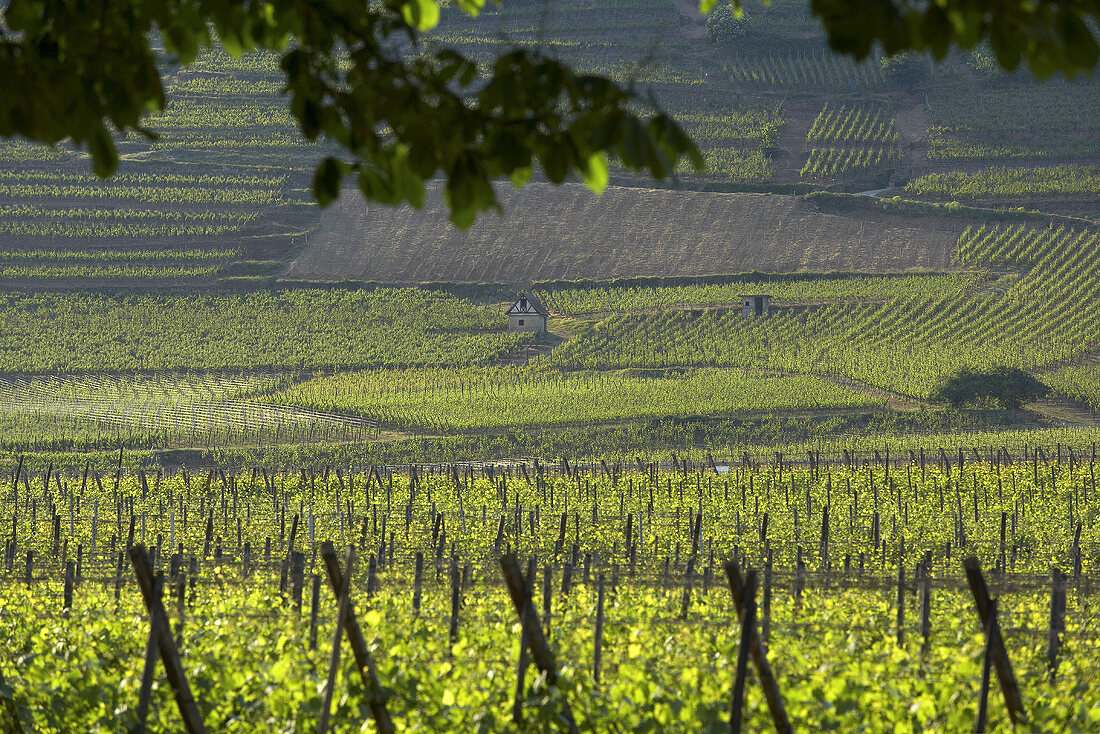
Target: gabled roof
<point x="528" y="304"/>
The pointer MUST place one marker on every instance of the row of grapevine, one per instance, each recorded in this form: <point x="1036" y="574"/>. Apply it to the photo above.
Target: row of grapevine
<point x="821" y="71"/>
<point x="833" y="162"/>
<point x="852" y="124"/>
<point x="163" y="410"/>
<point x="1080" y="382"/>
<point x="1001" y="182"/>
<point x="115" y="256"/>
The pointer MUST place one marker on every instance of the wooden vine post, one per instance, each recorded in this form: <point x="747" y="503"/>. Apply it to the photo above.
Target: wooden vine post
<point x="173" y="668"/>
<point x="363" y="660"/>
<point x="541" y="654"/>
<point x="995" y="648"/>
<point x="743" y="598"/>
<point x="343" y="598"/>
<point x="748" y="623"/>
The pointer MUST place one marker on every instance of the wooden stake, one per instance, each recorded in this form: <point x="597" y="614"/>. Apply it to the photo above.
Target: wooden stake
<point x="173" y="668"/>
<point x="748" y="625"/>
<point x="1057" y="620"/>
<point x="987" y="613"/>
<point x="146" y="690"/>
<point x="541" y="654"/>
<point x="334" y="658"/>
<point x="359" y="649"/>
<point x="901" y="606"/>
<point x="983" y="690"/>
<point x="314" y="602"/>
<point x="759" y="656"/>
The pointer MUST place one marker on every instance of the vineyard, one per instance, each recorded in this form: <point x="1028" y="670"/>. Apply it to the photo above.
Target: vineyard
<point x="801" y="289"/>
<point x="1003" y="182"/>
<point x="140" y="228"/>
<point x="833" y="162"/>
<point x="850" y="124"/>
<point x="300" y="329"/>
<point x="271" y="467"/>
<point x="820" y="71"/>
<point x="905" y="344"/>
<point x="1012" y="118"/>
<point x="437" y="400"/>
<point x="632" y="624"/>
<point x="850" y="138"/>
<point x="1080" y="382"/>
<point x="96" y="412"/>
<point x="223" y="176"/>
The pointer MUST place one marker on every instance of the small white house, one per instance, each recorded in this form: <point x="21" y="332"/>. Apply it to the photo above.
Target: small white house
<point x="754" y="305"/>
<point x="527" y="314"/>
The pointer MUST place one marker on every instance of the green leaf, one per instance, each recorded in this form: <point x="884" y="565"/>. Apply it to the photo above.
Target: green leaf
<point x="470" y="7"/>
<point x="521" y="176"/>
<point x="595" y="173"/>
<point x="423" y="15"/>
<point x="326" y="181"/>
<point x="104" y="154"/>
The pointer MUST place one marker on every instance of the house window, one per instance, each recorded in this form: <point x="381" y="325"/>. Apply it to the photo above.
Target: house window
<point x="521" y="322"/>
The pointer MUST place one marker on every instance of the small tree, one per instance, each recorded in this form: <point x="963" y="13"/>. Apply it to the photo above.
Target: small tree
<point x="906" y="69"/>
<point x="723" y="27"/>
<point x="1009" y="386"/>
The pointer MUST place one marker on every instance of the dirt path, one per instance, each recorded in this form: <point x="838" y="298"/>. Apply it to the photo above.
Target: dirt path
<point x="913" y="124"/>
<point x="1063" y="411"/>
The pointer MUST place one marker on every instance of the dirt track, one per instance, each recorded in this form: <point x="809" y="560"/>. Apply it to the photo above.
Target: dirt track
<point x="566" y="232"/>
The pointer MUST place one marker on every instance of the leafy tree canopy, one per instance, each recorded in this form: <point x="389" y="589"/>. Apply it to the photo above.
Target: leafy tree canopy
<point x="1009" y="386"/>
<point x="357" y="75"/>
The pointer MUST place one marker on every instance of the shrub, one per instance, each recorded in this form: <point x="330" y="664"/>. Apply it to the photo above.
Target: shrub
<point x="906" y="69"/>
<point x="722" y="27"/>
<point x="1009" y="386"/>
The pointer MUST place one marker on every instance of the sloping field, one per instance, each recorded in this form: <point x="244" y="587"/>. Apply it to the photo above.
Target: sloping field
<point x="552" y="232"/>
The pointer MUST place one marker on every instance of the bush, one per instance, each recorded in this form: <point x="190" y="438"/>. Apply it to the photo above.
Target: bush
<point x="906" y="69"/>
<point x="1009" y="386"/>
<point x="722" y="27"/>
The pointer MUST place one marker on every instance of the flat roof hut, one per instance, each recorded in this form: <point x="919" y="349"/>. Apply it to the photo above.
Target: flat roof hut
<point x="527" y="314"/>
<point x="755" y="305"/>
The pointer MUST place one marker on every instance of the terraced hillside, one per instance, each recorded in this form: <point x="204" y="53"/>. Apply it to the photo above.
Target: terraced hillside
<point x="222" y="196"/>
<point x="567" y="233"/>
<point x="222" y="192"/>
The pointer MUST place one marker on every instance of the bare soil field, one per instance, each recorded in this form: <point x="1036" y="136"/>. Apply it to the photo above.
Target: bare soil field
<point x="566" y="232"/>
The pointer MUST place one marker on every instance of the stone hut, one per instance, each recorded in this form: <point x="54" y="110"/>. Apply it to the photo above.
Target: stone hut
<point x="756" y="305"/>
<point x="527" y="314"/>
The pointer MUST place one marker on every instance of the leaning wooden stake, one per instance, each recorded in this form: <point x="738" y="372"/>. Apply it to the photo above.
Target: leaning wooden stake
<point x="359" y="649"/>
<point x="988" y="615"/>
<point x="748" y="625"/>
<point x="541" y="654"/>
<point x="173" y="668"/>
<point x="983" y="690"/>
<point x="145" y="693"/>
<point x="759" y="656"/>
<point x="342" y="596"/>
